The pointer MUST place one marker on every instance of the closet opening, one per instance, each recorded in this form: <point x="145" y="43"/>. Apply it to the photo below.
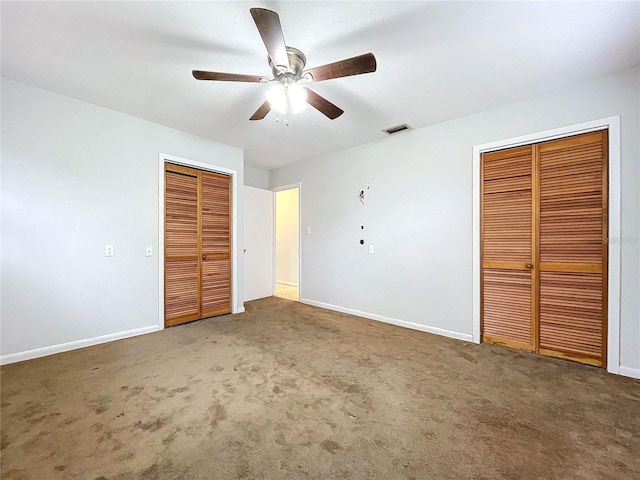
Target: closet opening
<point x="197" y="254"/>
<point x="544" y="211"/>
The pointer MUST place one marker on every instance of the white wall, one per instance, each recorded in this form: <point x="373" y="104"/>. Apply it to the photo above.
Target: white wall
<point x="258" y="243"/>
<point x="287" y="236"/>
<point x="256" y="177"/>
<point x="75" y="177"/>
<point x="418" y="212"/>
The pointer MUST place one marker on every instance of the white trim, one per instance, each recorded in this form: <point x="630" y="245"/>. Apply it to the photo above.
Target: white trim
<point x="160" y="248"/>
<point x="613" y="125"/>
<point x="613" y="275"/>
<point x="235" y="275"/>
<point x="289" y="186"/>
<point x="393" y="321"/>
<point x="629" y="372"/>
<point x="285" y="282"/>
<point x="65" y="347"/>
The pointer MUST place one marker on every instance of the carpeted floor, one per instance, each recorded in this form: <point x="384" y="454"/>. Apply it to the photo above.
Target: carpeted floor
<point x="290" y="391"/>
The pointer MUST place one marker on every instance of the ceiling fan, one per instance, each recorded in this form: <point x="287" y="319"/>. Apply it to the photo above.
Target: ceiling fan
<point x="287" y="64"/>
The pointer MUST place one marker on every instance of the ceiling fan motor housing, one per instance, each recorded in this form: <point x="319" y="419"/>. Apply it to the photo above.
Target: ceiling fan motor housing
<point x="297" y="61"/>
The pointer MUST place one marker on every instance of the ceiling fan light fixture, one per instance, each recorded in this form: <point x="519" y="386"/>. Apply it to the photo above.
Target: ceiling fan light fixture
<point x="286" y="97"/>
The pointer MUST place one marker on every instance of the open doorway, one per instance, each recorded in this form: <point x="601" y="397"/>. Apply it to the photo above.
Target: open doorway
<point x="287" y="243"/>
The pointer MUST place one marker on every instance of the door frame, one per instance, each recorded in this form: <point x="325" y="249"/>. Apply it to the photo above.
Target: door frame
<point x="162" y="159"/>
<point x="289" y="186"/>
<point x="612" y="124"/>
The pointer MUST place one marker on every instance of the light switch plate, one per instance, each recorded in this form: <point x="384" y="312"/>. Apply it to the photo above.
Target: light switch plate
<point x="308" y="230"/>
<point x="148" y="251"/>
<point x="370" y="249"/>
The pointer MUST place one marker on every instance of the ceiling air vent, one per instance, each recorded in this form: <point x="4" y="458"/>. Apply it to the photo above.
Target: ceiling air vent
<point x="397" y="129"/>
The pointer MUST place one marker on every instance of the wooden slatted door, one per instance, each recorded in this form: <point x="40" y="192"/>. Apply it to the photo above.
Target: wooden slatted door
<point x="181" y="246"/>
<point x="507" y="283"/>
<point x="197" y="244"/>
<point x="216" y="244"/>
<point x="544" y="254"/>
<point x="573" y="250"/>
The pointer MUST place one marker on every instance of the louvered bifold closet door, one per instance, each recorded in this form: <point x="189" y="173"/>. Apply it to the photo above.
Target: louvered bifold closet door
<point x="507" y="255"/>
<point x="181" y="298"/>
<point x="216" y="244"/>
<point x="573" y="247"/>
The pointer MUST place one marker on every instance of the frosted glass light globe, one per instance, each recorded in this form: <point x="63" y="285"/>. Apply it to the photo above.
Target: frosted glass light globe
<point x="284" y="94"/>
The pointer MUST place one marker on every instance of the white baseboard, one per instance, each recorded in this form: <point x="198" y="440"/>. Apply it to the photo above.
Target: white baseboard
<point x="393" y="321"/>
<point x="240" y="310"/>
<point x="629" y="372"/>
<point x="285" y="282"/>
<point x="65" y="347"/>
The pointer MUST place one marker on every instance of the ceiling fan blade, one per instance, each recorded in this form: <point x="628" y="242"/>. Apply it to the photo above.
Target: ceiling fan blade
<point x="365" y="63"/>
<point x="323" y="105"/>
<point x="268" y="24"/>
<point x="262" y="111"/>
<point x="227" y="77"/>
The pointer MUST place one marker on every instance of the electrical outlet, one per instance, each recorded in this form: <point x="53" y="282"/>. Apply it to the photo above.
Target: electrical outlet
<point x="108" y="250"/>
<point x="370" y="249"/>
<point x="148" y="251"/>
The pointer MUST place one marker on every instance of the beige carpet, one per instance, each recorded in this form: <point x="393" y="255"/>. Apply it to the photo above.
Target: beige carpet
<point x="289" y="391"/>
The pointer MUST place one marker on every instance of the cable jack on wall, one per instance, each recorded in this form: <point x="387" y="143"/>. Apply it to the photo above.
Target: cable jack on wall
<point x="362" y="193"/>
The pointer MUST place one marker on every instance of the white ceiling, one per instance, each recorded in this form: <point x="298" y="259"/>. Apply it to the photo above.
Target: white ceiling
<point x="436" y="61"/>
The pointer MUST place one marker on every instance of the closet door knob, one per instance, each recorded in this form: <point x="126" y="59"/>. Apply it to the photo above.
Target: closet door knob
<point x="204" y="257"/>
<point x="529" y="266"/>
